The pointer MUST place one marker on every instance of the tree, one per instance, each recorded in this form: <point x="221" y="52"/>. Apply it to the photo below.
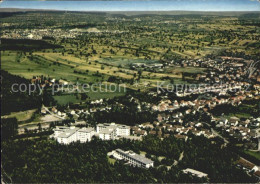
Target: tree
<point x="84" y="96"/>
<point x="139" y="74"/>
<point x="39" y="126"/>
<point x="9" y="128"/>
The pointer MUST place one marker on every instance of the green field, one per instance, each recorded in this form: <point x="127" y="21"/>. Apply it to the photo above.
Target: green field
<point x="254" y="154"/>
<point x="100" y="49"/>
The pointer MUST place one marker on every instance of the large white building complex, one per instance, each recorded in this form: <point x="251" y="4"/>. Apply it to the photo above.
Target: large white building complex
<point x="109" y="131"/>
<point x="67" y="135"/>
<point x="133" y="158"/>
<point x="106" y="131"/>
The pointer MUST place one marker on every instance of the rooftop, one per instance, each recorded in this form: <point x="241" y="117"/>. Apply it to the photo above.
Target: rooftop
<point x="68" y="132"/>
<point x="89" y="129"/>
<point x="198" y="173"/>
<point x="135" y="156"/>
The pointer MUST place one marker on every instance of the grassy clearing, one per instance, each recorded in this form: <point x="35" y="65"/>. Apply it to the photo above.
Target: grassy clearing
<point x="143" y="153"/>
<point x="111" y="160"/>
<point x="79" y="69"/>
<point x="254" y="154"/>
<point x="238" y="115"/>
<point x="65" y="99"/>
<point x="21" y="116"/>
<point x="192" y="70"/>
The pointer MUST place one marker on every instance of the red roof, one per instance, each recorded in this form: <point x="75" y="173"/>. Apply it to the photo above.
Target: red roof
<point x="245" y="163"/>
<point x="257" y="173"/>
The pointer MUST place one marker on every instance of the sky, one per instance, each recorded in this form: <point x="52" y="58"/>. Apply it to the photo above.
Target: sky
<point x="148" y="5"/>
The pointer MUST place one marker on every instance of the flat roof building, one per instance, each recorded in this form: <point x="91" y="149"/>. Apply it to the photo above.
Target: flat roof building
<point x="195" y="173"/>
<point x="67" y="135"/>
<point x="133" y="159"/>
<point x="106" y="131"/>
<point x="110" y="131"/>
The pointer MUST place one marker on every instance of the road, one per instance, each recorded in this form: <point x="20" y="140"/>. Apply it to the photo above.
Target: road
<point x="218" y="135"/>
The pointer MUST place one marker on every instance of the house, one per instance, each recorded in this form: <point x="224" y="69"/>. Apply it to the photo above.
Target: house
<point x="43" y="111"/>
<point x="146" y="125"/>
<point x="54" y="110"/>
<point x="172" y="129"/>
<point x="152" y="132"/>
<point x="63" y="82"/>
<point x="177" y="136"/>
<point x="257" y="175"/>
<point x="245" y="164"/>
<point x="155" y="108"/>
<point x="178" y="128"/>
<point x="141" y="132"/>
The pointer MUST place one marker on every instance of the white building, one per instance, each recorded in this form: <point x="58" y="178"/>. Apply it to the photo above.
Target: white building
<point x="133" y="158"/>
<point x="195" y="173"/>
<point x="85" y="134"/>
<point x="59" y="129"/>
<point x="108" y="131"/>
<point x="107" y="134"/>
<point x="67" y="135"/>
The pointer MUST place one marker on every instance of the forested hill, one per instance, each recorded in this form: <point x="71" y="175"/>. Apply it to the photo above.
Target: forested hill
<point x="45" y="161"/>
<point x="16" y="101"/>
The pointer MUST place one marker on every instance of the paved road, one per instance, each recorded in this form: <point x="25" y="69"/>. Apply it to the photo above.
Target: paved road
<point x="217" y="134"/>
<point x="53" y="113"/>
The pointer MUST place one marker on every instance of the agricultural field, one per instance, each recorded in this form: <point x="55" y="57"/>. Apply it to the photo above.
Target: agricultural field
<point x="103" y="48"/>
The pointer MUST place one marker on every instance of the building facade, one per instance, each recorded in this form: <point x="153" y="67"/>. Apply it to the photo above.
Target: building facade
<point x="110" y="131"/>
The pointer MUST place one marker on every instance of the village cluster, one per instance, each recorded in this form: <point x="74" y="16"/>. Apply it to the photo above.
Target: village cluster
<point x="38" y="34"/>
<point x="173" y="112"/>
<point x="172" y="117"/>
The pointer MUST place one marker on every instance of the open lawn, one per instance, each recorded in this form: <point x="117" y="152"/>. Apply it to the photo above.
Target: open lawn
<point x="254" y="154"/>
<point x="21" y="116"/>
<point x="111" y="160"/>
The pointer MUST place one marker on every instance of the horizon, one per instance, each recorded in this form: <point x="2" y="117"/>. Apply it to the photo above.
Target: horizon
<point x="105" y="6"/>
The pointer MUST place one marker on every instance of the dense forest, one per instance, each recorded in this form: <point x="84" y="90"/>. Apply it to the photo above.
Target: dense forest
<point x="14" y="101"/>
<point x="26" y="44"/>
<point x="46" y="161"/>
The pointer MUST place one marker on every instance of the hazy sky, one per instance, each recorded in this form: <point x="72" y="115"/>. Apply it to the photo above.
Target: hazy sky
<point x="159" y="5"/>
